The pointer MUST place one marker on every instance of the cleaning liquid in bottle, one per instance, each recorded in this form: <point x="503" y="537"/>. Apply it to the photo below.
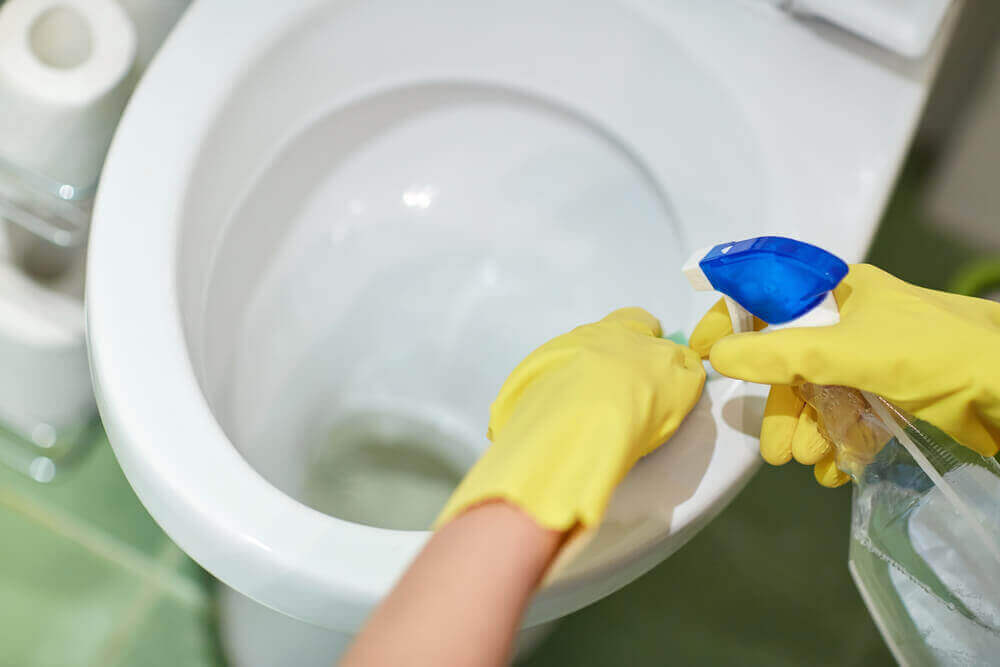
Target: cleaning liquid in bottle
<point x="925" y="519"/>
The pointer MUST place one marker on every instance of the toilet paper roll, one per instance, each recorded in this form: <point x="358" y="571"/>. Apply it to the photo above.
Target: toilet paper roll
<point x="64" y="80"/>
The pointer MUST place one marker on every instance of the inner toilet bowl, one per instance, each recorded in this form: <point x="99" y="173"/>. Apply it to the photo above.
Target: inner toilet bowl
<point x="327" y="231"/>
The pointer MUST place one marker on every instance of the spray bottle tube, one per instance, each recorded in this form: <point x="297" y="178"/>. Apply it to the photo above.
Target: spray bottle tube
<point x="925" y="534"/>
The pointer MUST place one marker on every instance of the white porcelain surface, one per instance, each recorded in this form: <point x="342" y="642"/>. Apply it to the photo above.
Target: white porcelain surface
<point x="316" y="210"/>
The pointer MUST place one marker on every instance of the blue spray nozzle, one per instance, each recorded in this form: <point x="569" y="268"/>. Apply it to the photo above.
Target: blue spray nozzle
<point x="776" y="278"/>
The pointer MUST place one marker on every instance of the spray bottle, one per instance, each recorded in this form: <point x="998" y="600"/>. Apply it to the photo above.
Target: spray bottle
<point x="925" y="520"/>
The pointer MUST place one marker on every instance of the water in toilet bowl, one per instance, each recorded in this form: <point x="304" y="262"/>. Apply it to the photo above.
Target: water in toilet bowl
<point x="384" y="469"/>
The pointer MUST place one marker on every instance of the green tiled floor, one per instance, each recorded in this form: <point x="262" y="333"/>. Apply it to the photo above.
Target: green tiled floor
<point x="171" y="635"/>
<point x="96" y="489"/>
<point x="87" y="578"/>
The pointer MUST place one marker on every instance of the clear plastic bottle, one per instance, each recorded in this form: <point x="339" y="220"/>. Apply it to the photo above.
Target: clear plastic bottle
<point x="925" y="526"/>
<point x="925" y="529"/>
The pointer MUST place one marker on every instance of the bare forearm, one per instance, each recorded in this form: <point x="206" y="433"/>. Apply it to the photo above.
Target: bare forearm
<point x="461" y="601"/>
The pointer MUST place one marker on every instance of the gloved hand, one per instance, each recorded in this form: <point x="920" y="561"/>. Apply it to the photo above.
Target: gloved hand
<point x="933" y="354"/>
<point x="577" y="414"/>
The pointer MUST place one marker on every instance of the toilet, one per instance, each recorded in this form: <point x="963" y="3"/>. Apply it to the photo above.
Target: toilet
<point x="327" y="231"/>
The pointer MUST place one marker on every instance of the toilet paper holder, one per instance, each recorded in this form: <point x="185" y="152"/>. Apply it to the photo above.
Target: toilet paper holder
<point x="47" y="411"/>
<point x="66" y="72"/>
<point x="45" y="222"/>
<point x="67" y="69"/>
<point x="65" y="76"/>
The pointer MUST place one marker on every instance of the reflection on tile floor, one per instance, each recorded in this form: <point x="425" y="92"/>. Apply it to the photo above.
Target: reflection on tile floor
<point x="87" y="578"/>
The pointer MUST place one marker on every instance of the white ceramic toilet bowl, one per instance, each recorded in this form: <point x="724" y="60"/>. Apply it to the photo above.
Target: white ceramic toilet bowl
<point x="328" y="230"/>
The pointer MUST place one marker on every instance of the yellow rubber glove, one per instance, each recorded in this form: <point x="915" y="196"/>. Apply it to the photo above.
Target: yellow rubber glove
<point x="935" y="355"/>
<point x="577" y="414"/>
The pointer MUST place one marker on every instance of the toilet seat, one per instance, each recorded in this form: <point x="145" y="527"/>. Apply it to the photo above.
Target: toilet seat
<point x="178" y="166"/>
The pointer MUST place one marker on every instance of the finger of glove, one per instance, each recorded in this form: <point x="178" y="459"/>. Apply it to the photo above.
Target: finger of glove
<point x="989" y="443"/>
<point x="713" y="326"/>
<point x="636" y="319"/>
<point x="781" y="418"/>
<point x="822" y="355"/>
<point x="809" y="446"/>
<point x="828" y="474"/>
<point x="851" y="353"/>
